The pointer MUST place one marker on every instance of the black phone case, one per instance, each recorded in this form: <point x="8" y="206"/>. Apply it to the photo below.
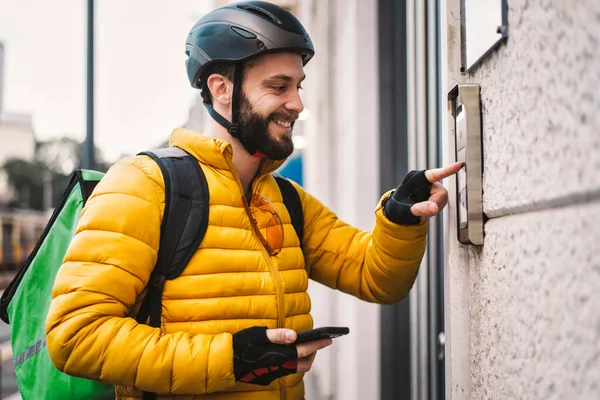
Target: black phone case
<point x="322" y="333"/>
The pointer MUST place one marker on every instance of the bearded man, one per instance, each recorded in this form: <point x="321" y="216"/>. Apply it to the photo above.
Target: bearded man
<point x="230" y="320"/>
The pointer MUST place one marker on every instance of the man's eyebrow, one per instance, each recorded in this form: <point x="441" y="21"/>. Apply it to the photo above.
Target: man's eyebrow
<point x="285" y="78"/>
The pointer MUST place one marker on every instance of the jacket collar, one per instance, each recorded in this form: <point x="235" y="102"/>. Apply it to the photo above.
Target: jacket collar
<point x="213" y="152"/>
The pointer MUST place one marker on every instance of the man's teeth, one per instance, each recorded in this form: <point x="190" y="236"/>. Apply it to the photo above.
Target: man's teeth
<point x="282" y="123"/>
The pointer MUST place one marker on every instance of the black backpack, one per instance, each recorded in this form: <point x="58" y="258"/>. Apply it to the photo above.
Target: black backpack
<point x="185" y="221"/>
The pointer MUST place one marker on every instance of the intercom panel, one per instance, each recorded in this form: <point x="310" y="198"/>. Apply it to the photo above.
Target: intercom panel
<point x="465" y="108"/>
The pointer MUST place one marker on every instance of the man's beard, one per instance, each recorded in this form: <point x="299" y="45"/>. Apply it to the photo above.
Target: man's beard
<point x="255" y="127"/>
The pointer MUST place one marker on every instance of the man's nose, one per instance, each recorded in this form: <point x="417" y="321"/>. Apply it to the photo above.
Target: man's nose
<point x="295" y="103"/>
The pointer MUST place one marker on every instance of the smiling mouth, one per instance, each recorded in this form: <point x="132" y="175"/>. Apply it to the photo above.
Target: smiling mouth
<point x="284" y="124"/>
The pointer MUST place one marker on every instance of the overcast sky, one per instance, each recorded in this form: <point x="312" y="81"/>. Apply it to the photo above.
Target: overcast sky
<point x="142" y="91"/>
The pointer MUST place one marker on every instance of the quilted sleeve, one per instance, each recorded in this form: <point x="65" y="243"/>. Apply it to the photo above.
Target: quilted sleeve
<point x="378" y="267"/>
<point x="107" y="266"/>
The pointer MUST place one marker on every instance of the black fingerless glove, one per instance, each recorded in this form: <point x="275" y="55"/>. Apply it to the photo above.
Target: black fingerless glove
<point x="414" y="189"/>
<point x="258" y="361"/>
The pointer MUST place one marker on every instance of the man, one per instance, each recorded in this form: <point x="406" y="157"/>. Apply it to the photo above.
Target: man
<point x="229" y="321"/>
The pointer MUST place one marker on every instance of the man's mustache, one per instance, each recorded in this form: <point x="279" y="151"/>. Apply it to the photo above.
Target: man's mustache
<point x="285" y="116"/>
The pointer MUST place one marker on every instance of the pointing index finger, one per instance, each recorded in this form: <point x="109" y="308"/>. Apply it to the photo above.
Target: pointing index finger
<point x="436" y="175"/>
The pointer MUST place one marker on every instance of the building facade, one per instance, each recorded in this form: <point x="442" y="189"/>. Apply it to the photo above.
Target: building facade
<point x="527" y="299"/>
<point x="17" y="139"/>
<point x="512" y="318"/>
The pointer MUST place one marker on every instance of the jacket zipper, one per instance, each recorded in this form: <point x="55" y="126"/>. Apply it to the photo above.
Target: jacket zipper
<point x="272" y="269"/>
<point x="274" y="273"/>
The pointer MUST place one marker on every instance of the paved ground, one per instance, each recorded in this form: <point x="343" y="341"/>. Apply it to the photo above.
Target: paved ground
<point x="8" y="385"/>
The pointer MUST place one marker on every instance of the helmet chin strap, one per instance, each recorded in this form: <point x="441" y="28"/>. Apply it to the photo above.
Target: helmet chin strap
<point x="233" y="127"/>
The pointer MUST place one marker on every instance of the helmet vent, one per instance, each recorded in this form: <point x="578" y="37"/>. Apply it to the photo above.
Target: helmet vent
<point x="261" y="12"/>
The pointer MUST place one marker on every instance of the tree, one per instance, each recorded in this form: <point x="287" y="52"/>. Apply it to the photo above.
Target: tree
<point x="54" y="162"/>
<point x="63" y="155"/>
<point x="24" y="177"/>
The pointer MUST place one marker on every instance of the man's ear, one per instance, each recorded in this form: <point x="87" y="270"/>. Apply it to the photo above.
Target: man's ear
<point x="220" y="88"/>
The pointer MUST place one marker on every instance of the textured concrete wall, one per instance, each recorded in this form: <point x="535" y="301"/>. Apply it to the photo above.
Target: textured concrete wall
<point x="534" y="306"/>
<point x="535" y="325"/>
<point x="540" y="107"/>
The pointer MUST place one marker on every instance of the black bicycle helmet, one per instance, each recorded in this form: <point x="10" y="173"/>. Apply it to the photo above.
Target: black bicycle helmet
<point x="236" y="33"/>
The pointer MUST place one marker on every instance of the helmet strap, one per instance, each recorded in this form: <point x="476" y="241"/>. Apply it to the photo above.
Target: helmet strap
<point x="235" y="101"/>
<point x="233" y="127"/>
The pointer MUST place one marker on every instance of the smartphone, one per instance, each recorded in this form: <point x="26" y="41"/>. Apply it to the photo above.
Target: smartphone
<point x="322" y="333"/>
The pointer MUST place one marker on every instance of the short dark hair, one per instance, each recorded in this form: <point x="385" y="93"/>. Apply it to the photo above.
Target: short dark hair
<point x="227" y="69"/>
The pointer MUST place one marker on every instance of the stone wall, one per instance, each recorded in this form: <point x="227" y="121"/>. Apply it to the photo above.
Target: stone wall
<point x="533" y="286"/>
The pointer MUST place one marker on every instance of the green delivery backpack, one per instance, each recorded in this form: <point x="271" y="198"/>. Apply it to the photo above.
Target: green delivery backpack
<point x="26" y="301"/>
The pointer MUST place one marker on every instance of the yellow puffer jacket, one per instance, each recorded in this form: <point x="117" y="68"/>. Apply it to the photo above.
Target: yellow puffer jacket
<point x="230" y="284"/>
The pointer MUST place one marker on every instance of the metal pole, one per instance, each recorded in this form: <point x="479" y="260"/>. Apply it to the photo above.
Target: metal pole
<point x="89" y="161"/>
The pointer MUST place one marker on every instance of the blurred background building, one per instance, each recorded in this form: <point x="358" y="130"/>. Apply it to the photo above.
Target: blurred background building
<point x="19" y="228"/>
<point x="515" y="318"/>
<point x="17" y="139"/>
<point x="17" y="136"/>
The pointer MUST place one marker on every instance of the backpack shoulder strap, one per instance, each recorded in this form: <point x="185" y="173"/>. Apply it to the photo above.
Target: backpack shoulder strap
<point x="184" y="223"/>
<point x="292" y="202"/>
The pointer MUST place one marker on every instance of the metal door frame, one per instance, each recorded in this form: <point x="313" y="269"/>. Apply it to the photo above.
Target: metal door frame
<point x="395" y="319"/>
<point x="410" y="121"/>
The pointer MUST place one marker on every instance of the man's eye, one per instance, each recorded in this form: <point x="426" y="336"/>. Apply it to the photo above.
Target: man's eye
<point x="279" y="88"/>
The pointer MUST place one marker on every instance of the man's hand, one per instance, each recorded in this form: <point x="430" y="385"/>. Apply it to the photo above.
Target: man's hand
<point x="420" y="196"/>
<point x="438" y="195"/>
<point x="261" y="355"/>
<point x="306" y="351"/>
